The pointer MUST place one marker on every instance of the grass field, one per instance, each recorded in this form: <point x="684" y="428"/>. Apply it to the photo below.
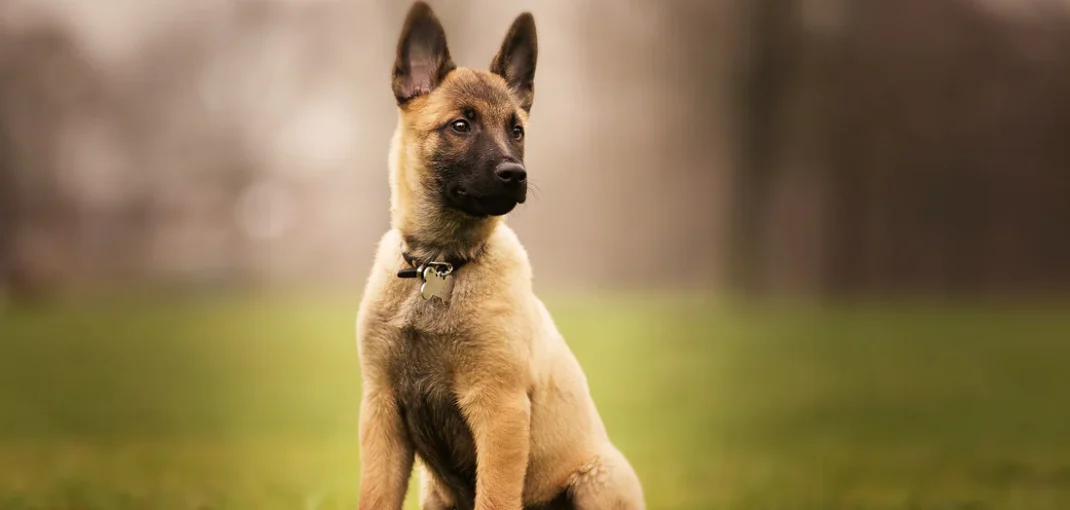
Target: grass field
<point x="251" y="403"/>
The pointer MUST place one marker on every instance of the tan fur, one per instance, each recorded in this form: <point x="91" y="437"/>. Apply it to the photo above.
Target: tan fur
<point x="521" y="390"/>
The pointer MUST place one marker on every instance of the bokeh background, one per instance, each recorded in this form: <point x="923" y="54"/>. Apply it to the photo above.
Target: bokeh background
<point x="813" y="254"/>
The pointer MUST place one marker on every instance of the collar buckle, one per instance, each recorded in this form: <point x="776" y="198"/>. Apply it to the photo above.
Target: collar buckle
<point x="442" y="268"/>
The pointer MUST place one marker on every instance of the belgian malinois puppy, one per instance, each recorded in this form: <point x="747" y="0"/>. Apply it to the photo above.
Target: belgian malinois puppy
<point x="462" y="365"/>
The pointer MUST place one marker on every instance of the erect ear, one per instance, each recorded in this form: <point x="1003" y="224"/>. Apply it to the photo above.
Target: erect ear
<point x="516" y="60"/>
<point x="423" y="59"/>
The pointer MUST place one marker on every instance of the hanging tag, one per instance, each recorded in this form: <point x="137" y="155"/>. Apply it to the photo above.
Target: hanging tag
<point x="437" y="283"/>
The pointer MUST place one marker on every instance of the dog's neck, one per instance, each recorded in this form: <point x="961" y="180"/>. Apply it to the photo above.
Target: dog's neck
<point x="430" y="230"/>
<point x="443" y="235"/>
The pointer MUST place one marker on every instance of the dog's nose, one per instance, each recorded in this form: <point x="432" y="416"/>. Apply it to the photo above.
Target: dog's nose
<point x="511" y="173"/>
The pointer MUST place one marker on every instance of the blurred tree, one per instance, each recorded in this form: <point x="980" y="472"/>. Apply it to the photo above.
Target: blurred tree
<point x="44" y="79"/>
<point x="768" y="63"/>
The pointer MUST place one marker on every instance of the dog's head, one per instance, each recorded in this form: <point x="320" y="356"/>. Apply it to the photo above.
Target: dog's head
<point x="459" y="148"/>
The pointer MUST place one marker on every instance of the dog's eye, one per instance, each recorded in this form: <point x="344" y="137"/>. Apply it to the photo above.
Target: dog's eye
<point x="518" y="133"/>
<point x="461" y="126"/>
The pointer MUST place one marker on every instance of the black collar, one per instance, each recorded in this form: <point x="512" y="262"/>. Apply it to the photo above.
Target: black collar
<point x="413" y="271"/>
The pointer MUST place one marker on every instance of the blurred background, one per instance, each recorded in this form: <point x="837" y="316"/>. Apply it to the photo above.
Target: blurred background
<point x="813" y="254"/>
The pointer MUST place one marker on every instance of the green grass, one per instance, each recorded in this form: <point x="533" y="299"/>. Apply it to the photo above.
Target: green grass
<point x="251" y="403"/>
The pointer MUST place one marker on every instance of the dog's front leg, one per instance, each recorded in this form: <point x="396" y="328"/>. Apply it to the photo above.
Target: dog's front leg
<point x="386" y="452"/>
<point x="500" y="420"/>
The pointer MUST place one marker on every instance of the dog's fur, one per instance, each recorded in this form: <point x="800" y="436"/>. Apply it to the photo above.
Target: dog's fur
<point x="482" y="388"/>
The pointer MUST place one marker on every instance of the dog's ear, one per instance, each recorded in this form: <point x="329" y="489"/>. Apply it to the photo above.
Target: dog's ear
<point x="423" y="60"/>
<point x="516" y="60"/>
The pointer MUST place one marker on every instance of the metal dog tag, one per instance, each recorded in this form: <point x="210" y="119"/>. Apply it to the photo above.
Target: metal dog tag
<point x="436" y="284"/>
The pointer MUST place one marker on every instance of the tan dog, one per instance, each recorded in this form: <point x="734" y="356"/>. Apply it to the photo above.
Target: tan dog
<point x="462" y="365"/>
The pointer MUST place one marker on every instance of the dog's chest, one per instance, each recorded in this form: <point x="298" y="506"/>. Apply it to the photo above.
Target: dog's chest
<point x="424" y="368"/>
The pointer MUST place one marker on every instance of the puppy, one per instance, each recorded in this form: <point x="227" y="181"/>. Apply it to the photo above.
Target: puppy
<point x="462" y="366"/>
